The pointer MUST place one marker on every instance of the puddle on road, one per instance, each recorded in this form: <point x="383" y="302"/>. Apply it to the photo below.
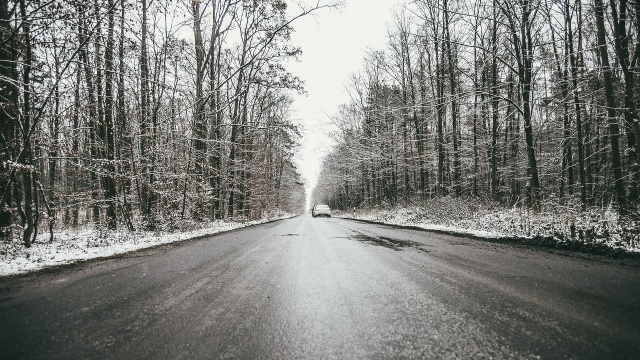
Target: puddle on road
<point x="458" y="243"/>
<point x="390" y="243"/>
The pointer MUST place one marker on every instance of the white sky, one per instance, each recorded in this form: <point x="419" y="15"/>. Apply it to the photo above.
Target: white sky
<point x="333" y="44"/>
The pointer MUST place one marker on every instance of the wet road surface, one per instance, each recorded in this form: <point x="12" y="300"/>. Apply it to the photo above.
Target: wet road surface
<point x="326" y="288"/>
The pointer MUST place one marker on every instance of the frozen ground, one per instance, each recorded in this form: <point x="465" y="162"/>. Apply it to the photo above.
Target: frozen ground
<point x="77" y="245"/>
<point x="602" y="230"/>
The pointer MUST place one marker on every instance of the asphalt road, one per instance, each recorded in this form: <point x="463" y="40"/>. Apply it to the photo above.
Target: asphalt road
<point x="326" y="288"/>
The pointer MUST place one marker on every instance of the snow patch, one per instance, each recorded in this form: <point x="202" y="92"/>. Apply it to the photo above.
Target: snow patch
<point x="71" y="246"/>
<point x="563" y="224"/>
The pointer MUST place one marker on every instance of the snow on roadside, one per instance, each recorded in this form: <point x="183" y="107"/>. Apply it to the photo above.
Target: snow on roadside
<point x="70" y="246"/>
<point x="595" y="227"/>
<point x="399" y="217"/>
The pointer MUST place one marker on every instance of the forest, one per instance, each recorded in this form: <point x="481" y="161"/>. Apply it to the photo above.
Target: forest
<point x="143" y="114"/>
<point x="152" y="115"/>
<point x="527" y="103"/>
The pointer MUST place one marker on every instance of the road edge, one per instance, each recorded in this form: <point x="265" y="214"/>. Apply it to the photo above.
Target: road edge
<point x="133" y="253"/>
<point x="567" y="248"/>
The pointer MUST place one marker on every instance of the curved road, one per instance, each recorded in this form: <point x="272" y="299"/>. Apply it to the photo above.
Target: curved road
<point x="326" y="288"/>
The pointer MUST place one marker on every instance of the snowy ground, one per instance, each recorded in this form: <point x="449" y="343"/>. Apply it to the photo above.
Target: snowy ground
<point x="555" y="225"/>
<point x="565" y="226"/>
<point x="78" y="245"/>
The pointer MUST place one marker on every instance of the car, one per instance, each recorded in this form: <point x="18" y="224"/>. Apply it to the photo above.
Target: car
<point x="320" y="210"/>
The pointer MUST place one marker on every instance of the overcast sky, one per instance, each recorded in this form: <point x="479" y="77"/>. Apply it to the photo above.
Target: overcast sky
<point x="333" y="46"/>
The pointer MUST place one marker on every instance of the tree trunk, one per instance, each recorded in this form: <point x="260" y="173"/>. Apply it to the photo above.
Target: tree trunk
<point x="495" y="101"/>
<point x="215" y="53"/>
<point x="199" y="111"/>
<point x="8" y="117"/>
<point x="144" y="188"/>
<point x="25" y="157"/>
<point x="453" y="68"/>
<point x="566" y="172"/>
<point x="523" y="46"/>
<point x="92" y="111"/>
<point x="440" y="108"/>
<point x="614" y="131"/>
<point x="109" y="180"/>
<point x="632" y="122"/>
<point x="578" y="110"/>
<point x="123" y="141"/>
